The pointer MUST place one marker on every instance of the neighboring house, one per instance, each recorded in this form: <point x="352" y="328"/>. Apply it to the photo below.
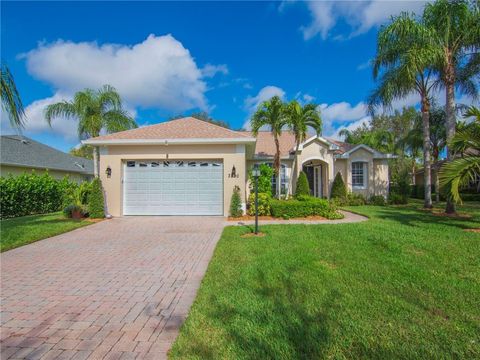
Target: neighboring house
<point x="19" y="154"/>
<point x="190" y="167"/>
<point x="473" y="184"/>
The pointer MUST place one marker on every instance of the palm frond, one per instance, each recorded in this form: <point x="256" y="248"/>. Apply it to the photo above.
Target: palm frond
<point x="457" y="174"/>
<point x="11" y="101"/>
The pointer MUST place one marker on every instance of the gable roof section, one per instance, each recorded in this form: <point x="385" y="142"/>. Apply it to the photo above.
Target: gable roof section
<point x="376" y="154"/>
<point x="185" y="130"/>
<point x="21" y="151"/>
<point x="265" y="146"/>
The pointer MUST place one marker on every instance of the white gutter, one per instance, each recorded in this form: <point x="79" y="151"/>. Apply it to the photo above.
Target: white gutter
<point x="168" y="141"/>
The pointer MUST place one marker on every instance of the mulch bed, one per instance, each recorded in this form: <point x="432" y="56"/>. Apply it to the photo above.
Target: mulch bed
<point x="252" y="218"/>
<point x="249" y="235"/>
<point x="94" y="220"/>
<point x="441" y="213"/>
<point x="472" y="230"/>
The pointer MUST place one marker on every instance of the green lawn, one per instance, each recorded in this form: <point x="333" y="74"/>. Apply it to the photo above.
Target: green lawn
<point x="27" y="229"/>
<point x="403" y="285"/>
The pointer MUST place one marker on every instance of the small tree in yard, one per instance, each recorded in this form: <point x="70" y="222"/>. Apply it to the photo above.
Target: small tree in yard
<point x="339" y="190"/>
<point x="302" y="185"/>
<point x="95" y="200"/>
<point x="236" y="203"/>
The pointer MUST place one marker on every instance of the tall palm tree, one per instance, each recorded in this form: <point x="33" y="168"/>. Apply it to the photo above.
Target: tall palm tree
<point x="299" y="118"/>
<point x="438" y="139"/>
<point x="458" y="173"/>
<point x="271" y="113"/>
<point x="96" y="110"/>
<point x="455" y="26"/>
<point x="402" y="66"/>
<point x="11" y="101"/>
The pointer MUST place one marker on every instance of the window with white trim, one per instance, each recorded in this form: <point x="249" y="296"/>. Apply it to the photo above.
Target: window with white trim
<point x="359" y="175"/>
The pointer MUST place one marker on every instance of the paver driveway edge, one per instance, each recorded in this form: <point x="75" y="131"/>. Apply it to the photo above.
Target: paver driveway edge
<point x="119" y="288"/>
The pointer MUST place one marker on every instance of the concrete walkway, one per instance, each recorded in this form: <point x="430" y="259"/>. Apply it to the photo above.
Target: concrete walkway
<point x="348" y="218"/>
<point x="119" y="289"/>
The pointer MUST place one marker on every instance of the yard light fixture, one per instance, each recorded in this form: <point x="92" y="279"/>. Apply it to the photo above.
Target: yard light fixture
<point x="256" y="174"/>
<point x="108" y="171"/>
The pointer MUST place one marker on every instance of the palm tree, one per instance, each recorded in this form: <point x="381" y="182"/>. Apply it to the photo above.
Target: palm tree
<point x="458" y="173"/>
<point x="96" y="111"/>
<point x="11" y="101"/>
<point x="455" y="26"/>
<point x="299" y="119"/>
<point x="438" y="139"/>
<point x="404" y="59"/>
<point x="271" y="113"/>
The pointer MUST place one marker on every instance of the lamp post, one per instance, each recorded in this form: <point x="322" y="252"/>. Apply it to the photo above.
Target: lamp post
<point x="256" y="174"/>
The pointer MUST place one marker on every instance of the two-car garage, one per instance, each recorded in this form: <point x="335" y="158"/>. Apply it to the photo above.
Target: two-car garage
<point x="173" y="187"/>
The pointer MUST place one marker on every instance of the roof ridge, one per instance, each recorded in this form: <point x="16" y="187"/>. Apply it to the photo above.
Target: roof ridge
<point x="211" y="123"/>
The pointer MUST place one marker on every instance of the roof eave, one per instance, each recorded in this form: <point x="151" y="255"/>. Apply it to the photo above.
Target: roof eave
<point x="79" y="171"/>
<point x="193" y="141"/>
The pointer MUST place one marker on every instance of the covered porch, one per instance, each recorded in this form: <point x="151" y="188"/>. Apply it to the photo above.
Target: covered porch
<point x="317" y="175"/>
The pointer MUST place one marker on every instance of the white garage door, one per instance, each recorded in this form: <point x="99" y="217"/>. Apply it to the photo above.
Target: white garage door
<point x="188" y="187"/>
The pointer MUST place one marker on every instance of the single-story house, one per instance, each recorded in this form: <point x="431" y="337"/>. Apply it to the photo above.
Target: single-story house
<point x="191" y="167"/>
<point x="19" y="154"/>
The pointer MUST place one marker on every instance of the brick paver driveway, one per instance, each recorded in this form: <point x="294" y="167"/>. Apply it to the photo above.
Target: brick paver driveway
<point x="117" y="289"/>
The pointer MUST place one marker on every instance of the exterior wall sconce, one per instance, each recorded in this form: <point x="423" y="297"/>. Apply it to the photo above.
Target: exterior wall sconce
<point x="108" y="171"/>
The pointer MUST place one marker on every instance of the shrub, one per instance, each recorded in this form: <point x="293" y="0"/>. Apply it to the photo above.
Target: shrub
<point x="400" y="188"/>
<point x="95" y="200"/>
<point x="302" y="185"/>
<point x="236" y="203"/>
<point x="264" y="180"/>
<point x="263" y="204"/>
<point x="377" y="200"/>
<point x="397" y="199"/>
<point x="288" y="209"/>
<point x="339" y="190"/>
<point x="70" y="209"/>
<point x="352" y="199"/>
<point x="30" y="194"/>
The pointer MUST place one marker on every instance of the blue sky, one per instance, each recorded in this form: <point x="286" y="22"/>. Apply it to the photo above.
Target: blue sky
<point x="169" y="58"/>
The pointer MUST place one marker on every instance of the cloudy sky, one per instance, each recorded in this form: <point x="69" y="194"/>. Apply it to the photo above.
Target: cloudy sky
<point x="169" y="58"/>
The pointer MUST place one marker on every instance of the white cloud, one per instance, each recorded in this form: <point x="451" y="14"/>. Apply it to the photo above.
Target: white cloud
<point x="252" y="102"/>
<point x="360" y="16"/>
<point x="210" y="70"/>
<point x="351" y="126"/>
<point x="364" y="65"/>
<point x="158" y="72"/>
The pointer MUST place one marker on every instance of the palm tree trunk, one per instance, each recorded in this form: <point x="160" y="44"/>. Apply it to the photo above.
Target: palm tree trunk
<point x="450" y="127"/>
<point x="276" y="165"/>
<point x="427" y="176"/>
<point x="96" y="160"/>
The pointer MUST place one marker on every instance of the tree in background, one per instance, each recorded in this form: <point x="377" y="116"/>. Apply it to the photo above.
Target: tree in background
<point x="458" y="173"/>
<point x="96" y="111"/>
<point x="84" y="151"/>
<point x="11" y="101"/>
<point x="402" y="66"/>
<point x="271" y="114"/>
<point x="454" y="28"/>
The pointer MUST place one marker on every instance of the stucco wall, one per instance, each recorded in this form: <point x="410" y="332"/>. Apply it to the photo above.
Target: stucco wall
<point x="316" y="150"/>
<point x="377" y="173"/>
<point x="114" y="156"/>
<point x="16" y="170"/>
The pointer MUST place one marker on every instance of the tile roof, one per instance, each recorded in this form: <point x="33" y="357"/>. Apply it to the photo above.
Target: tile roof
<point x="19" y="150"/>
<point x="184" y="128"/>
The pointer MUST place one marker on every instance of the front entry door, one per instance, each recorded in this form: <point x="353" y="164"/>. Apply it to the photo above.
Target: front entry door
<point x="317" y="179"/>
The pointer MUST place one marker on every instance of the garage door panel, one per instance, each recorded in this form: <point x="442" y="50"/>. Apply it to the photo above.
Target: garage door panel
<point x="173" y="188"/>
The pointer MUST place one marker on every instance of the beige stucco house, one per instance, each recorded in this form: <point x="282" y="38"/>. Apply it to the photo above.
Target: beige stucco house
<point x="191" y="167"/>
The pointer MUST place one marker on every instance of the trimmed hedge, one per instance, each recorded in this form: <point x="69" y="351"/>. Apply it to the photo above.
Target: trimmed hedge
<point x="96" y="208"/>
<point x="352" y="199"/>
<point x="302" y="185"/>
<point x="30" y="194"/>
<point x="339" y="190"/>
<point x="236" y="203"/>
<point x="263" y="204"/>
<point x="303" y="207"/>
